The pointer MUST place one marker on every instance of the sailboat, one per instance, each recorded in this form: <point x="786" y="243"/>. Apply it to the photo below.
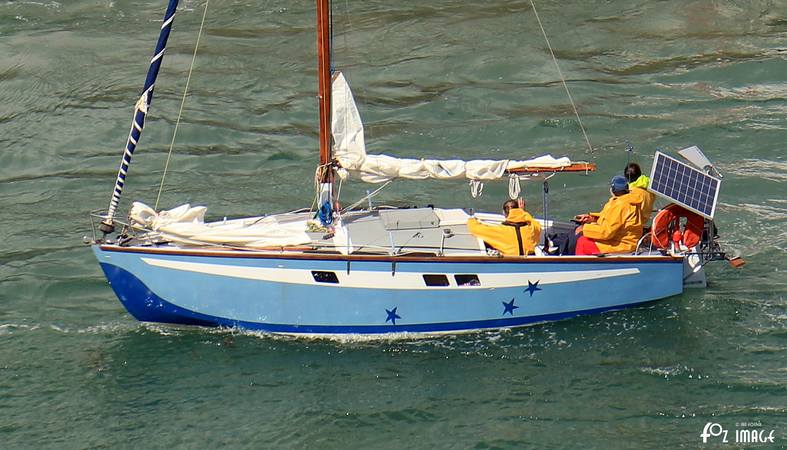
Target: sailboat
<point x="366" y="269"/>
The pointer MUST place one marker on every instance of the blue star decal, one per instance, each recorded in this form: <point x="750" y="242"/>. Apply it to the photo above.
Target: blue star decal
<point x="532" y="287"/>
<point x="509" y="307"/>
<point x="392" y="316"/>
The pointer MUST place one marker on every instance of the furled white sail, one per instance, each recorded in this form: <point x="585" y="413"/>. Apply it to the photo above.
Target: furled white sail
<point x="350" y="150"/>
<point x="346" y="126"/>
<point x="186" y="226"/>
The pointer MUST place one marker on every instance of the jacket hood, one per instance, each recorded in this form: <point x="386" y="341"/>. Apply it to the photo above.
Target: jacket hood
<point x="518" y="215"/>
<point x="641" y="182"/>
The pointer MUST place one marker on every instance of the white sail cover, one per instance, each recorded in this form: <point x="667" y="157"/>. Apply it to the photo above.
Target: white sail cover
<point x="350" y="150"/>
<point x="186" y="225"/>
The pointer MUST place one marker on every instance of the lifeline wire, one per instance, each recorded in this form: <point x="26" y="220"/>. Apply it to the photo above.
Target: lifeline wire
<point x="182" y="103"/>
<point x="562" y="78"/>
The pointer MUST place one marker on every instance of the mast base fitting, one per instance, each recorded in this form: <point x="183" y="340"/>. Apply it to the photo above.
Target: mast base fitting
<point x="106" y="227"/>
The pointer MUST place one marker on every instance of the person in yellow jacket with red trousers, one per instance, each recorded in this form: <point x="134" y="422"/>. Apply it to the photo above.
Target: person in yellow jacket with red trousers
<point x="517" y="236"/>
<point x="617" y="228"/>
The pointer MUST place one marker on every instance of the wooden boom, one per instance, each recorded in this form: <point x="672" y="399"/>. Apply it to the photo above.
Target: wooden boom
<point x="576" y="167"/>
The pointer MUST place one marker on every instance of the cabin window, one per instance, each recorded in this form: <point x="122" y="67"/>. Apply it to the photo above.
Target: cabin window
<point x="325" y="277"/>
<point x="435" y="280"/>
<point x="467" y="280"/>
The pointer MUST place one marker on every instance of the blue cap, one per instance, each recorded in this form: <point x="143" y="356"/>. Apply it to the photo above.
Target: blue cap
<point x="619" y="184"/>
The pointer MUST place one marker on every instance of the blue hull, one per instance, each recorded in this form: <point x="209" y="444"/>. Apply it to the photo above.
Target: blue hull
<point x="356" y="295"/>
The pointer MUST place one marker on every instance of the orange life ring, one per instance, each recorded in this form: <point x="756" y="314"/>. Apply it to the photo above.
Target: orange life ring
<point x="668" y="220"/>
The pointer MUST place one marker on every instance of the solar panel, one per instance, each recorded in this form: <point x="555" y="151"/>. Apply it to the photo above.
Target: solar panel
<point x="684" y="185"/>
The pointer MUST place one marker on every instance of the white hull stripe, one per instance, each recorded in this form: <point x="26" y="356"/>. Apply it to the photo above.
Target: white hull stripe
<point x="363" y="279"/>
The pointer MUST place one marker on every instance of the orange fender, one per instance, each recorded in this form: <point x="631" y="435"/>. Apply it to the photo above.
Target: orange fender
<point x="668" y="220"/>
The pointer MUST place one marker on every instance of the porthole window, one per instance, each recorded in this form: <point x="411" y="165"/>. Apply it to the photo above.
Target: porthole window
<point x="435" y="280"/>
<point x="467" y="280"/>
<point x="325" y="277"/>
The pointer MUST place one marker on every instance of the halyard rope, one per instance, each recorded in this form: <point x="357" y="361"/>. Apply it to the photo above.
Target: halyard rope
<point x="562" y="78"/>
<point x="182" y="104"/>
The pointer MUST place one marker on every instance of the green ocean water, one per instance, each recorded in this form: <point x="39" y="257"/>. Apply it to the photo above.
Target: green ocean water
<point x="442" y="79"/>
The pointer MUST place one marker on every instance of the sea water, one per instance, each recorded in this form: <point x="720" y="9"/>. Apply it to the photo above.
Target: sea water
<point x="442" y="79"/>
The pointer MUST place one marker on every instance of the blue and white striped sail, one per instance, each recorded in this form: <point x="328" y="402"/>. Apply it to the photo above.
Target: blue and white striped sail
<point x="141" y="109"/>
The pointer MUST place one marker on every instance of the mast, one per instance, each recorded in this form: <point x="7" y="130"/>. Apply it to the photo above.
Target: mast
<point x="140" y="111"/>
<point x="324" y="87"/>
<point x="326" y="201"/>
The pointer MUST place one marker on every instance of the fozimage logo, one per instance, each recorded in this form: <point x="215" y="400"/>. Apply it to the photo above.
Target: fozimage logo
<point x="745" y="433"/>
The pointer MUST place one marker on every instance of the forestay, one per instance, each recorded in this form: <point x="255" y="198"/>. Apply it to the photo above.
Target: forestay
<point x="350" y="151"/>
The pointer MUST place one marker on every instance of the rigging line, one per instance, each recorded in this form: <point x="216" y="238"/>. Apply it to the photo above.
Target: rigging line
<point x="316" y="185"/>
<point x="339" y="191"/>
<point x="375" y="192"/>
<point x="182" y="104"/>
<point x="562" y="78"/>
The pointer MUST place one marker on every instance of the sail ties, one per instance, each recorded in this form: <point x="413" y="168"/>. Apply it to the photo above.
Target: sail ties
<point x="142" y="105"/>
<point x="476" y="188"/>
<point x="140" y="111"/>
<point x="514" y="186"/>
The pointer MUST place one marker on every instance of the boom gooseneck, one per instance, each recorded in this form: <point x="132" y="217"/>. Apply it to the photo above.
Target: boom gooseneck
<point x="140" y="111"/>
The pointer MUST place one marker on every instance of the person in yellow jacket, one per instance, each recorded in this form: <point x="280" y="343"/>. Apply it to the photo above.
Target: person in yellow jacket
<point x="517" y="236"/>
<point x="617" y="228"/>
<point x="638" y="186"/>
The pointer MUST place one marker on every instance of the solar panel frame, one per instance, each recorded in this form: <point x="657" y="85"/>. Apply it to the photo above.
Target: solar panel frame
<point x="684" y="185"/>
